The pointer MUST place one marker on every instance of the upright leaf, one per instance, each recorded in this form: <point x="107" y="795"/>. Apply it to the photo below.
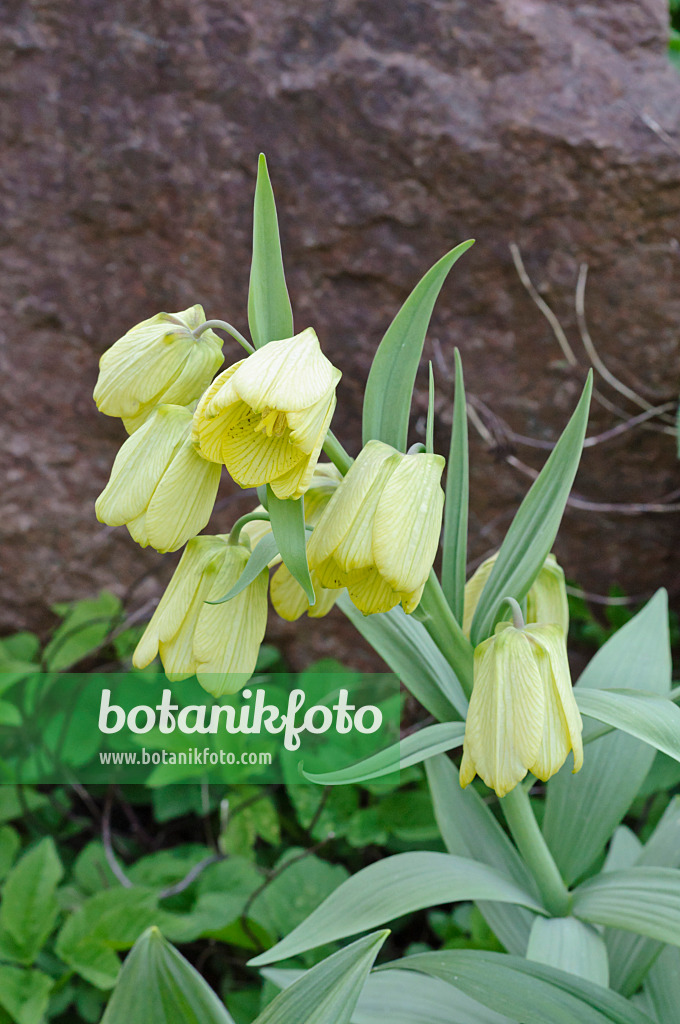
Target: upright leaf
<point x="392" y="887"/>
<point x="387" y="399"/>
<point x="410" y="652"/>
<point x="328" y="993"/>
<point x="29" y="904"/>
<point x="583" y="810"/>
<point x="530" y="992"/>
<point x="662" y="986"/>
<point x="534" y="528"/>
<point x="288" y="526"/>
<point x="454" y="555"/>
<point x="158" y="985"/>
<point x="469" y="829"/>
<point x="270" y="316"/>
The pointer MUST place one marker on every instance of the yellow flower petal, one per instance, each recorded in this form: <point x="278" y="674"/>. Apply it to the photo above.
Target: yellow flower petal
<point x="289" y="375"/>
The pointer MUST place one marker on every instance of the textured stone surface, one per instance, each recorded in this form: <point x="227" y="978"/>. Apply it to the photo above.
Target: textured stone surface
<point x="130" y="134"/>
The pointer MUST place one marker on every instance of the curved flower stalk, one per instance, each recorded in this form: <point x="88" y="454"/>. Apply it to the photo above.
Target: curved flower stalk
<point x="160" y="487"/>
<point x="266" y="417"/>
<point x="218" y="643"/>
<point x="546" y="601"/>
<point x="523" y="715"/>
<point x="380" y="532"/>
<point x="158" y="360"/>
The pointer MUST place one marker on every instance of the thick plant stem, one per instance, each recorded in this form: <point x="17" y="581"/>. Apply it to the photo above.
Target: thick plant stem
<point x="336" y="453"/>
<point x="530" y="842"/>
<point x="446" y="632"/>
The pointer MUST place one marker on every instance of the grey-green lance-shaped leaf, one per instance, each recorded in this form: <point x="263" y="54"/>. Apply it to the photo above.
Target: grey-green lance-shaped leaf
<point x="413" y="749"/>
<point x="287" y="517"/>
<point x="328" y="993"/>
<point x="530" y="538"/>
<point x="583" y="810"/>
<point x="469" y="829"/>
<point x="387" y="399"/>
<point x="263" y="552"/>
<point x="527" y="991"/>
<point x="655" y="720"/>
<point x="157" y="984"/>
<point x="270" y="316"/>
<point x="630" y="955"/>
<point x="410" y="652"/>
<point x="404" y="997"/>
<point x="662" y="986"/>
<point x="29" y="904"/>
<point x="24" y="995"/>
<point x="392" y="887"/>
<point x="641" y="900"/>
<point x="571" y="945"/>
<point x="454" y="556"/>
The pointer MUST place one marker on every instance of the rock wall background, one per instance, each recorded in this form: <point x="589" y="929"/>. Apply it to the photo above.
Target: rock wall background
<point x="130" y="133"/>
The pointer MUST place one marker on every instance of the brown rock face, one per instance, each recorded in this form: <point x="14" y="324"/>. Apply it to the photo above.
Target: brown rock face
<point x="130" y="134"/>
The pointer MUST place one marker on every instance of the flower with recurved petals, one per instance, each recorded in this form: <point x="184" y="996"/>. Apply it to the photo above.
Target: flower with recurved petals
<point x="267" y="416"/>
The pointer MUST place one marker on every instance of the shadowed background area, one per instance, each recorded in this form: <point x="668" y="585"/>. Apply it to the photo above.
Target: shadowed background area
<point x="130" y="136"/>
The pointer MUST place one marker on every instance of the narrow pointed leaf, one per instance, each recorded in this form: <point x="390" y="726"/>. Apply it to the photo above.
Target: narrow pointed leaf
<point x="390" y="888"/>
<point x="653" y="719"/>
<point x="533" y="530"/>
<point x="530" y="992"/>
<point x="410" y="652"/>
<point x="572" y="946"/>
<point x="583" y="810"/>
<point x="389" y="389"/>
<point x="454" y="556"/>
<point x="270" y="316"/>
<point x="404" y="997"/>
<point x="427" y="742"/>
<point x="264" y="551"/>
<point x="288" y="526"/>
<point x="29" y="904"/>
<point x="662" y="986"/>
<point x="157" y="984"/>
<point x="328" y="993"/>
<point x="469" y="829"/>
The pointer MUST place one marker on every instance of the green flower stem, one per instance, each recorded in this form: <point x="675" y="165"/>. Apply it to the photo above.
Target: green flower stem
<point x="251" y="517"/>
<point x="336" y="453"/>
<point x="222" y="325"/>
<point x="517" y="617"/>
<point x="446" y="632"/>
<point x="522" y="823"/>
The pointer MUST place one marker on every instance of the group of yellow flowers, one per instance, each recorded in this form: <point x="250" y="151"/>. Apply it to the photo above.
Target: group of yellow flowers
<point x="374" y="531"/>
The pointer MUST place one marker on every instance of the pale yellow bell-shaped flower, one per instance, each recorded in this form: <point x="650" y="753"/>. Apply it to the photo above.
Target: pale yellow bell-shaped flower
<point x="287" y="596"/>
<point x="379" y="533"/>
<point x="522" y="715"/>
<point x="267" y="416"/>
<point x="218" y="643"/>
<point x="160" y="487"/>
<point x="546" y="601"/>
<point x="158" y="360"/>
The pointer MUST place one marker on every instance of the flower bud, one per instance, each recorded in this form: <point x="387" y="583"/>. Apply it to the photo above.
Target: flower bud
<point x="267" y="416"/>
<point x="522" y="715"/>
<point x="157" y="361"/>
<point x="379" y="533"/>
<point x="160" y="487"/>
<point x="218" y="643"/>
<point x="546" y="601"/>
